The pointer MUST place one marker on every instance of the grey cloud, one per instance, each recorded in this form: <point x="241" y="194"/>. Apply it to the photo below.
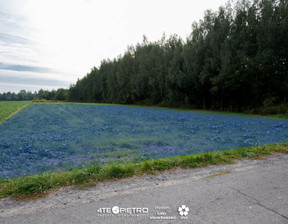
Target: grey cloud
<point x="24" y="68"/>
<point x="32" y="81"/>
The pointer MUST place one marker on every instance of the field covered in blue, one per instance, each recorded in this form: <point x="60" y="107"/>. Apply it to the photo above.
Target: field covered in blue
<point x="53" y="137"/>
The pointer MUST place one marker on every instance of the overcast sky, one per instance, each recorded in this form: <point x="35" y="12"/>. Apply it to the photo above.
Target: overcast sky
<point x="50" y="43"/>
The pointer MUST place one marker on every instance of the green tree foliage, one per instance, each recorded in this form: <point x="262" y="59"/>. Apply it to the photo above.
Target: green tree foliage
<point x="235" y="58"/>
<point x="21" y="96"/>
<point x="59" y="94"/>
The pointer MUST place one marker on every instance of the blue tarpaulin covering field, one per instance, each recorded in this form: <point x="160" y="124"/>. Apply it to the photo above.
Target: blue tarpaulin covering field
<point x="52" y="137"/>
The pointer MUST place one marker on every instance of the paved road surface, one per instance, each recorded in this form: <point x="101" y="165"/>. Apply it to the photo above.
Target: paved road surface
<point x="248" y="192"/>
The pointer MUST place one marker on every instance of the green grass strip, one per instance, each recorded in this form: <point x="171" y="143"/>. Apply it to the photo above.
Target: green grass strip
<point x="10" y="108"/>
<point x="31" y="186"/>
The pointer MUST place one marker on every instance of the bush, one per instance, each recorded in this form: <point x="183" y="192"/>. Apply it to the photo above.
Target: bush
<point x="276" y="109"/>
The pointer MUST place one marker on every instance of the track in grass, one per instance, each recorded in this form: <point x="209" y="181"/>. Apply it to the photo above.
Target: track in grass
<point x="8" y="108"/>
<point x="50" y="137"/>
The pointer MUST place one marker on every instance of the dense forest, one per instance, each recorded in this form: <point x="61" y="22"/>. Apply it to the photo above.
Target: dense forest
<point x="234" y="59"/>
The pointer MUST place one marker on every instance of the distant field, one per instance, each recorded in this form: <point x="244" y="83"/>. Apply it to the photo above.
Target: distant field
<point x="7" y="108"/>
<point x="53" y="137"/>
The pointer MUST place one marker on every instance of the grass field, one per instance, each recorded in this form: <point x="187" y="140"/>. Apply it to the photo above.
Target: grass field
<point x="55" y="137"/>
<point x="8" y="108"/>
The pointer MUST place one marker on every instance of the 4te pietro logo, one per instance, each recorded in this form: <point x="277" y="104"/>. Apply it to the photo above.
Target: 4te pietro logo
<point x="120" y="211"/>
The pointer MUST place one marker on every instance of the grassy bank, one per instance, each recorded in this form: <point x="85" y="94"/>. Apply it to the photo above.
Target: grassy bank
<point x="40" y="185"/>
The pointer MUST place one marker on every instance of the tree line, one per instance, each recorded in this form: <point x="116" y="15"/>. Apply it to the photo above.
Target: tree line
<point x="22" y="95"/>
<point x="59" y="94"/>
<point x="234" y="59"/>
